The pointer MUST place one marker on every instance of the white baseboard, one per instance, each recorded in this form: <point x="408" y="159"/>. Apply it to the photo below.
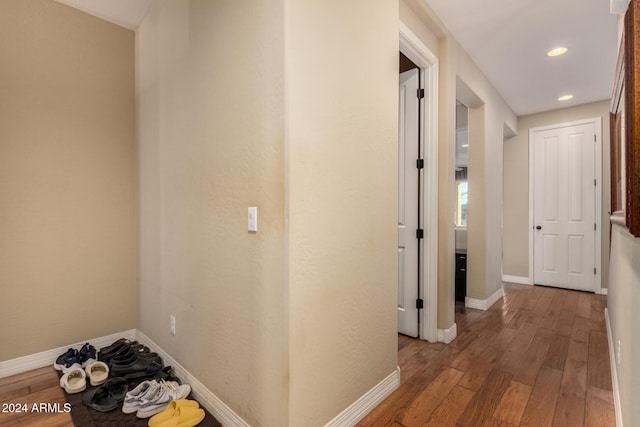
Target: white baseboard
<point x="205" y="397"/>
<point x="365" y="404"/>
<point x="604" y="291"/>
<point x="614" y="371"/>
<point x="520" y="280"/>
<point x="44" y="358"/>
<point x="448" y="335"/>
<point x="484" y="304"/>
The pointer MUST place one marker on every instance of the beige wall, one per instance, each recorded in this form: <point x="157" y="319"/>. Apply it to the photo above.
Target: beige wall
<point x="68" y="251"/>
<point x="623" y="301"/>
<point x="489" y="116"/>
<point x="476" y="231"/>
<point x="409" y="18"/>
<point x="343" y="202"/>
<point x="492" y="116"/>
<point x="292" y="324"/>
<point x="211" y="141"/>
<point x="516" y="185"/>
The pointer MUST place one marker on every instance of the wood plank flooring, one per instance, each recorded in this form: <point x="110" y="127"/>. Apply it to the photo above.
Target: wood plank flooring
<point x="34" y="387"/>
<point x="539" y="357"/>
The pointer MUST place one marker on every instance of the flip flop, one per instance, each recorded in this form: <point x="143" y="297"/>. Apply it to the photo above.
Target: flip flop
<point x="117" y="388"/>
<point x="100" y="399"/>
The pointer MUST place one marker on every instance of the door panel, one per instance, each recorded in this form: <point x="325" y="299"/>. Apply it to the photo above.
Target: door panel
<point x="564" y="207"/>
<point x="408" y="204"/>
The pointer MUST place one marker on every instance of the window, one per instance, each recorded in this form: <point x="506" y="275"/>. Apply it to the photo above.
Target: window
<point x="461" y="205"/>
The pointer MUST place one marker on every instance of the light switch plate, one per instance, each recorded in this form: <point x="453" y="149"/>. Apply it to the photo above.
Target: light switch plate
<point x="252" y="216"/>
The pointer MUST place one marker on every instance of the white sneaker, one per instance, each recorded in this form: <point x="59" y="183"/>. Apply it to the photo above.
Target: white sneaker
<point x="170" y="390"/>
<point x="145" y="391"/>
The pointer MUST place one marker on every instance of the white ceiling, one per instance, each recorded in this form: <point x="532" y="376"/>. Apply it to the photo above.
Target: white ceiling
<point x="508" y="40"/>
<point x="126" y="13"/>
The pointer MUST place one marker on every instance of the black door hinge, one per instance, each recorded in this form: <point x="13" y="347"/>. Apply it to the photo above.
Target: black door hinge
<point x="419" y="233"/>
<point x="420" y="163"/>
<point x="420" y="93"/>
<point x="419" y="303"/>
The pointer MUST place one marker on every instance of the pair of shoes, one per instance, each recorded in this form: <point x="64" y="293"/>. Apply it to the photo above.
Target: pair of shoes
<point x="72" y="358"/>
<point x="182" y="412"/>
<point x="137" y="365"/>
<point x="98" y="372"/>
<point x="128" y="356"/>
<point x="74" y="381"/>
<point x="106" y="397"/>
<point x="152" y="397"/>
<point x="121" y="349"/>
<point x="143" y="392"/>
<point x="168" y="392"/>
<point x="104" y="351"/>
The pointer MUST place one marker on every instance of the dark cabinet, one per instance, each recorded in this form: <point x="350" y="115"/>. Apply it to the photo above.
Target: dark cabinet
<point x="461" y="276"/>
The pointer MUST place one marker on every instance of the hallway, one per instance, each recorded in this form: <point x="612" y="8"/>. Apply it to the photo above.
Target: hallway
<point x="538" y="357"/>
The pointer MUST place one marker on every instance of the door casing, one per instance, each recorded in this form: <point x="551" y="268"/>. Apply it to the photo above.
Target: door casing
<point x="416" y="51"/>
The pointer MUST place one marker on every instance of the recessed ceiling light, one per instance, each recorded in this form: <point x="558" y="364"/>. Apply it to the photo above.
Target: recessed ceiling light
<point x="557" y="51"/>
<point x="565" y="97"/>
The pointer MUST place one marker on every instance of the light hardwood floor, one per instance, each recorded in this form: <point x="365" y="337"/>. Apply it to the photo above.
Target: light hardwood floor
<point x="33" y="387"/>
<point x="539" y="357"/>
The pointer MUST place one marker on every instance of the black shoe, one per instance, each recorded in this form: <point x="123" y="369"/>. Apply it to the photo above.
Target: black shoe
<point x="142" y="364"/>
<point x="110" y="348"/>
<point x="106" y="356"/>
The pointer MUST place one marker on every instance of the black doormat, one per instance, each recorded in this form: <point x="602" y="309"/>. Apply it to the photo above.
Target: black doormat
<point x="83" y="416"/>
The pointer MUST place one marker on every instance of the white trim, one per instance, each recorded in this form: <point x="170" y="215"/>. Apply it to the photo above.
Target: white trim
<point x="414" y="49"/>
<point x="214" y="405"/>
<point x="597" y="288"/>
<point x="531" y="201"/>
<point x="604" y="291"/>
<point x="597" y="122"/>
<point x="48" y="357"/>
<point x="448" y="335"/>
<point x="520" y="280"/>
<point x="614" y="371"/>
<point x="365" y="404"/>
<point x="484" y="304"/>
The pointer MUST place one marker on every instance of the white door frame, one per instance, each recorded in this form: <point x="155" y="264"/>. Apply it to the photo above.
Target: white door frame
<point x="416" y="51"/>
<point x="597" y="122"/>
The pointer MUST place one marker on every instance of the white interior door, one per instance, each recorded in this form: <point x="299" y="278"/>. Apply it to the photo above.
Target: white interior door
<point x="408" y="144"/>
<point x="565" y="207"/>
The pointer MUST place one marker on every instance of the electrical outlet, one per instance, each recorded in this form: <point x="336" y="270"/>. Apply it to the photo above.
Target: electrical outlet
<point x="618" y="352"/>
<point x="173" y="325"/>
